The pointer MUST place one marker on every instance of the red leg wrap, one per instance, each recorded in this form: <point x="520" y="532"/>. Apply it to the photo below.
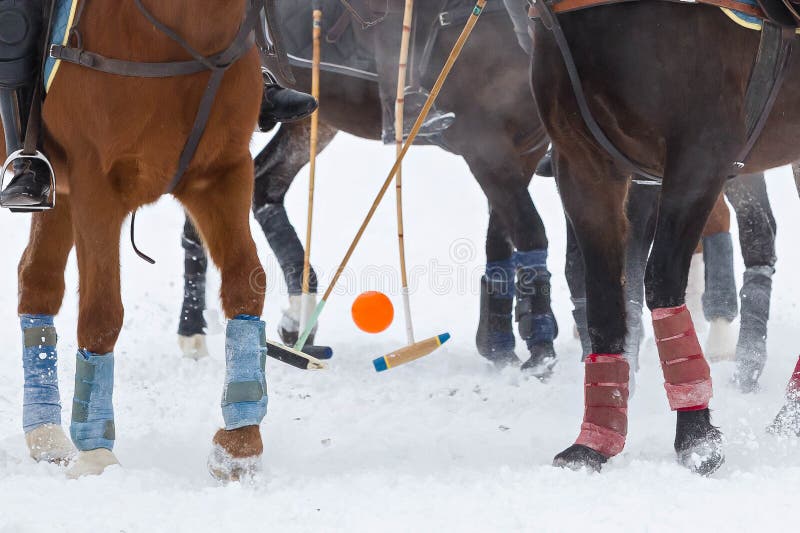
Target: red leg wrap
<point x="793" y="390"/>
<point x="687" y="376"/>
<point x="605" y="421"/>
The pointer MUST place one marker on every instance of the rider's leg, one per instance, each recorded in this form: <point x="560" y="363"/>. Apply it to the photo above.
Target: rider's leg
<point x="20" y="37"/>
<point x="387" y="38"/>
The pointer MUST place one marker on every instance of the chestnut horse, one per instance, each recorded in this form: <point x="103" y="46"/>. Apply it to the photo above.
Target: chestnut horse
<point x="115" y="143"/>
<point x="669" y="92"/>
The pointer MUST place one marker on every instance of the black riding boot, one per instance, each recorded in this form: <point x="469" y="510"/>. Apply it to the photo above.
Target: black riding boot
<point x="280" y="104"/>
<point x="30" y="186"/>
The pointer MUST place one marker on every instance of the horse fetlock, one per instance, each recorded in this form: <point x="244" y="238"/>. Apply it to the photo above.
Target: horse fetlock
<point x="92" y="424"/>
<point x="698" y="443"/>
<point x="721" y="340"/>
<point x="49" y="443"/>
<point x="289" y="326"/>
<point x="495" y="336"/>
<point x="41" y="399"/>
<point x="244" y="400"/>
<point x="92" y="463"/>
<point x="542" y="361"/>
<point x="236" y="454"/>
<point x="194" y="346"/>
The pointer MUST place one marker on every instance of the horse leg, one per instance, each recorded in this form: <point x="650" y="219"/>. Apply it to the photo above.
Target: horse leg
<point x="596" y="210"/>
<point x="505" y="183"/>
<point x="100" y="314"/>
<point x="575" y="273"/>
<point x="720" y="301"/>
<point x="192" y="324"/>
<point x="41" y="291"/>
<point x="688" y="196"/>
<point x="642" y="212"/>
<point x="220" y="212"/>
<point x="495" y="337"/>
<point x="276" y="168"/>
<point x="757" y="229"/>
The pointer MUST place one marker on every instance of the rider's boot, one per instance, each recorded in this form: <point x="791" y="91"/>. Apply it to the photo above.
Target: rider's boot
<point x="30" y="186"/>
<point x="280" y="104"/>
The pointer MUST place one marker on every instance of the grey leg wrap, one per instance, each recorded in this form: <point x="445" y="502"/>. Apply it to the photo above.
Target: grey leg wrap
<point x="720" y="299"/>
<point x="751" y="350"/>
<point x="284" y="242"/>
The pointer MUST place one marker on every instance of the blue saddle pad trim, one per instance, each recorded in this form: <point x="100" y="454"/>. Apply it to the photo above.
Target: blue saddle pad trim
<point x="64" y="17"/>
<point x="743" y="19"/>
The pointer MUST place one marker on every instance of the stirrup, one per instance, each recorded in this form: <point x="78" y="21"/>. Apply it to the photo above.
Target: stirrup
<point x="8" y="174"/>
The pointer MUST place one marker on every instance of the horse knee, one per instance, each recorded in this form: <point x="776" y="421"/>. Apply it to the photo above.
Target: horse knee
<point x="99" y="325"/>
<point x="41" y="287"/>
<point x="243" y="286"/>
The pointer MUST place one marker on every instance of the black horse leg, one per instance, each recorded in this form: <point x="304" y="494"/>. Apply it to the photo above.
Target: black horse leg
<point x="642" y="211"/>
<point x="597" y="212"/>
<point x="575" y="273"/>
<point x="192" y="324"/>
<point x="276" y="167"/>
<point x="688" y="196"/>
<point x="757" y="229"/>
<point x="502" y="178"/>
<point x="495" y="337"/>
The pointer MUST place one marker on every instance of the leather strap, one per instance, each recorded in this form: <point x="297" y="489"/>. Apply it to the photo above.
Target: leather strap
<point x="565" y="6"/>
<point x="33" y="131"/>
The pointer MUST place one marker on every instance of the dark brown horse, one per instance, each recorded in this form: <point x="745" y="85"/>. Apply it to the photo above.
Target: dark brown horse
<point x="669" y="91"/>
<point x="493" y="133"/>
<point x="115" y="142"/>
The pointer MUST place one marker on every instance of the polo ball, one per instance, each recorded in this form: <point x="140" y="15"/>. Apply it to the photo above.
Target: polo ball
<point x="372" y="312"/>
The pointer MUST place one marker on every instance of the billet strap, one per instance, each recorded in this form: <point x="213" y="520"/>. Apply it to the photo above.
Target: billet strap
<point x="687" y="376"/>
<point x="274" y="55"/>
<point x="605" y="420"/>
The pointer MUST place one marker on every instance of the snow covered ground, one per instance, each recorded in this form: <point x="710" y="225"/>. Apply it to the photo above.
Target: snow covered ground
<point x="444" y="444"/>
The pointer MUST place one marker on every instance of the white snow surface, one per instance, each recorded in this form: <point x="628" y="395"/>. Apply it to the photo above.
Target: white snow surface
<point x="442" y="444"/>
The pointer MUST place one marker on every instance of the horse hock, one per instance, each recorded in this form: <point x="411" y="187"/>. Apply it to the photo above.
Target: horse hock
<point x="534" y="315"/>
<point x="495" y="337"/>
<point x="687" y="380"/>
<point x="238" y="447"/>
<point x="41" y="409"/>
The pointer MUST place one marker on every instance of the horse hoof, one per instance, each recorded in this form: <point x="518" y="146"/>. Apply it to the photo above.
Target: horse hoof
<point x="787" y="422"/>
<point x="193" y="347"/>
<point x="236" y="454"/>
<point x="579" y="457"/>
<point x="92" y="463"/>
<point x="542" y="361"/>
<point x="698" y="444"/>
<point x="721" y="341"/>
<point x="49" y="443"/>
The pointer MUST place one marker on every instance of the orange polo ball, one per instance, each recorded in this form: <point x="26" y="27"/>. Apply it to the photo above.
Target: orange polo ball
<point x="372" y="312"/>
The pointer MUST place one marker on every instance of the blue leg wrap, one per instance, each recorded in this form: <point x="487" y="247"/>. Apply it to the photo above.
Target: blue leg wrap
<point x="92" y="409"/>
<point x="537" y="323"/>
<point x="41" y="400"/>
<point x="500" y="276"/>
<point x="244" y="401"/>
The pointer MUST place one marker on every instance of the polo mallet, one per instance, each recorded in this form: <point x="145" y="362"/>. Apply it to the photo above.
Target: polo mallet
<point x="307" y="302"/>
<point x="399" y="123"/>
<point x="437" y="87"/>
